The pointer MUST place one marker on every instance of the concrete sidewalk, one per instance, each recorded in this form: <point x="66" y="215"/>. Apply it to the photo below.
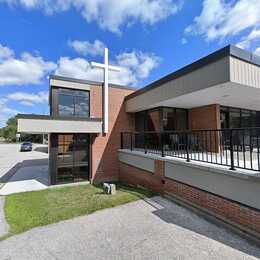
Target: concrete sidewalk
<point x="23" y="171"/>
<point x="151" y="229"/>
<point x="3" y="224"/>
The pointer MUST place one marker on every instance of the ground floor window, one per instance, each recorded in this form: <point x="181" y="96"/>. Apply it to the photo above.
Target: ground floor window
<point x="161" y="119"/>
<point x="72" y="158"/>
<point x="156" y="120"/>
<point x="239" y="118"/>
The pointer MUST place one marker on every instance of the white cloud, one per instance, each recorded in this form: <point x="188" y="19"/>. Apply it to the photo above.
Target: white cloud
<point x="184" y="41"/>
<point x="257" y="51"/>
<point x="6" y="112"/>
<point x="135" y="66"/>
<point x="29" y="99"/>
<point x="219" y="18"/>
<point x="109" y="14"/>
<point x="87" y="48"/>
<point x="27" y="69"/>
<point x="5" y="52"/>
<point x="252" y="36"/>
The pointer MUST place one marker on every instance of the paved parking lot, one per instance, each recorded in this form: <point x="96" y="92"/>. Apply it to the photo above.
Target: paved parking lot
<point x="23" y="171"/>
<point x="152" y="229"/>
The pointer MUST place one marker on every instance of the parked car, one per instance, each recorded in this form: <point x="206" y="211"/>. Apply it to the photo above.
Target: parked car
<point x="26" y="147"/>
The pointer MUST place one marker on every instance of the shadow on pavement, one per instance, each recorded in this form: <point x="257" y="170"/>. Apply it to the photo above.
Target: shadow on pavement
<point x="180" y="216"/>
<point x="41" y="149"/>
<point x="35" y="169"/>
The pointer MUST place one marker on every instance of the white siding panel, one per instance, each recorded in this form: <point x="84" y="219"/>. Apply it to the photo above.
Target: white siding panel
<point x="207" y="76"/>
<point x="244" y="73"/>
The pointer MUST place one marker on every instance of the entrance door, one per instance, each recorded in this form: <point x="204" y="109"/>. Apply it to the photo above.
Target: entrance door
<point x="73" y="158"/>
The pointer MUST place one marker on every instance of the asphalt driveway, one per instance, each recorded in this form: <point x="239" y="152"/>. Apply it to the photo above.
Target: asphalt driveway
<point x="23" y="171"/>
<point x="151" y="229"/>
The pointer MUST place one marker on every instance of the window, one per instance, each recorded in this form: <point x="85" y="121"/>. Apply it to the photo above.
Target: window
<point x="153" y="120"/>
<point x="181" y="119"/>
<point x="239" y="118"/>
<point x="234" y="118"/>
<point x="168" y="119"/>
<point x="73" y="103"/>
<point x="164" y="118"/>
<point x="66" y="105"/>
<point x="140" y="121"/>
<point x="73" y="157"/>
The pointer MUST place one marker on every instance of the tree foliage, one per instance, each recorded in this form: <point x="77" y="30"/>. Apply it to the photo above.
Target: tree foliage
<point x="10" y="130"/>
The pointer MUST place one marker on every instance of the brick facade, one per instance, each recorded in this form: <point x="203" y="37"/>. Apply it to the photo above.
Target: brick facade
<point x="206" y="117"/>
<point x="104" y="163"/>
<point x="247" y="218"/>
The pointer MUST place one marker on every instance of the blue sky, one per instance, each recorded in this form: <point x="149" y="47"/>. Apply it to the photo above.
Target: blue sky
<point x="147" y="38"/>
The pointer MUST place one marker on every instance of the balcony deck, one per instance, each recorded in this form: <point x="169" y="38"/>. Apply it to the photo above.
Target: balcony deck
<point x="199" y="160"/>
<point x="230" y="148"/>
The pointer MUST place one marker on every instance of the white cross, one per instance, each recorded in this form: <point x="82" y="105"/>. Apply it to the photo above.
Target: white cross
<point x="106" y="67"/>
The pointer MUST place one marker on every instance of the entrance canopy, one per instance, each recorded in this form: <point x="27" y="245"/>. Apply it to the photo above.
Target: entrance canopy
<point x="229" y="77"/>
<point x="42" y="124"/>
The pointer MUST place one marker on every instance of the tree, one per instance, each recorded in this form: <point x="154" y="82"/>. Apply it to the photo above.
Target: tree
<point x="10" y="130"/>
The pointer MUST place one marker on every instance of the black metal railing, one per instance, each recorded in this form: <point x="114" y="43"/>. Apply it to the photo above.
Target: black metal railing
<point x="236" y="148"/>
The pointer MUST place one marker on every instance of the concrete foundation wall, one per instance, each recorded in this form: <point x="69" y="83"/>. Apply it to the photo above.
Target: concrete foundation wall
<point x="189" y="186"/>
<point x="232" y="185"/>
<point x="242" y="190"/>
<point x="143" y="163"/>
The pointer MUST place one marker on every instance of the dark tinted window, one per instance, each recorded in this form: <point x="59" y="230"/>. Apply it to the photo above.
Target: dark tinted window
<point x="234" y="118"/>
<point x="139" y="121"/>
<point x="181" y="119"/>
<point x="73" y="157"/>
<point x="168" y="119"/>
<point x="81" y="106"/>
<point x="153" y="120"/>
<point x="73" y="103"/>
<point x="239" y="118"/>
<point x="66" y="105"/>
<point x="163" y="118"/>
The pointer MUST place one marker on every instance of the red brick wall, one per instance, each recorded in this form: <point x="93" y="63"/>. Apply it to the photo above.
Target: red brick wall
<point x="218" y="206"/>
<point x="206" y="117"/>
<point x="104" y="163"/>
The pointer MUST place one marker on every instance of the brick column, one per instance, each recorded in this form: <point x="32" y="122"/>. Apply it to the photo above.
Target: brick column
<point x="206" y="117"/>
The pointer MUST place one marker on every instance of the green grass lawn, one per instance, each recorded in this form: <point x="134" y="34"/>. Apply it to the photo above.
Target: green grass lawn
<point x="31" y="209"/>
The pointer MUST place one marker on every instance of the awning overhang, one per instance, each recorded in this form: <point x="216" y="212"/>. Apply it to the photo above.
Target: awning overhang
<point x="227" y="94"/>
<point x="228" y="81"/>
<point x="41" y="124"/>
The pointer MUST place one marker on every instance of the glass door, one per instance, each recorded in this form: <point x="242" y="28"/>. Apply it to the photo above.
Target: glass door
<point x="73" y="158"/>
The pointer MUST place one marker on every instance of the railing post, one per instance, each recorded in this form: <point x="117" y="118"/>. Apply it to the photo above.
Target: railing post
<point x="162" y="143"/>
<point x="131" y="141"/>
<point x="231" y="150"/>
<point x="122" y="140"/>
<point x="187" y="147"/>
<point x="145" y="144"/>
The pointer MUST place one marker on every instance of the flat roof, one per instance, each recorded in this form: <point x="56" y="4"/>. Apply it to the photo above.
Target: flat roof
<point x="89" y="82"/>
<point x="229" y="50"/>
